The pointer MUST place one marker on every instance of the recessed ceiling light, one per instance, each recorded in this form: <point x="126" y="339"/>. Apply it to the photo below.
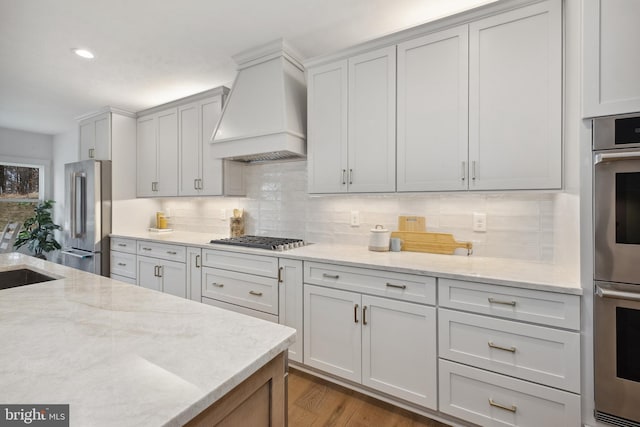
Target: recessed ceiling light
<point x="84" y="53"/>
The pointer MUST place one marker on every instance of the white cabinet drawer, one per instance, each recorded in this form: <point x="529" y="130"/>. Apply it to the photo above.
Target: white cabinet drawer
<point x="547" y="308"/>
<point x="242" y="310"/>
<point x="123" y="245"/>
<point x="489" y="399"/>
<point x="124" y="279"/>
<point x="245" y="263"/>
<point x="162" y="251"/>
<point x="406" y="287"/>
<point x="123" y="264"/>
<point x="535" y="353"/>
<point x="259" y="293"/>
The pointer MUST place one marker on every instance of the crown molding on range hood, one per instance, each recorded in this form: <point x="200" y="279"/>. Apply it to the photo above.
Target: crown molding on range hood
<point x="264" y="117"/>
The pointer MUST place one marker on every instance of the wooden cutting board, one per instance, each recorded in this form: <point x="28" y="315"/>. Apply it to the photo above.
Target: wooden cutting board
<point x="411" y="223"/>
<point x="435" y="243"/>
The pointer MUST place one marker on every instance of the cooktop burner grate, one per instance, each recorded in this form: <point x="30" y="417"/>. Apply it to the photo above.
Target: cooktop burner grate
<point x="261" y="242"/>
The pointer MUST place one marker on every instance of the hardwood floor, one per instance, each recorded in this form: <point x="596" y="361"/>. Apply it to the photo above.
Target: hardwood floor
<point x="316" y="402"/>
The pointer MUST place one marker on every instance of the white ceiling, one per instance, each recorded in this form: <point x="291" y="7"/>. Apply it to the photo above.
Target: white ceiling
<point x="153" y="51"/>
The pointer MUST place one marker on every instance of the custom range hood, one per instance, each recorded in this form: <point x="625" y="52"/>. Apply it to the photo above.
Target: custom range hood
<point x="264" y="117"/>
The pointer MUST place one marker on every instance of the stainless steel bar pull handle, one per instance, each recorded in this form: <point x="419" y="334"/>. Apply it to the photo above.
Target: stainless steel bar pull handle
<point x="218" y="285"/>
<point x="159" y="271"/>
<point x="199" y="184"/>
<point x="258" y="294"/>
<point x="511" y="408"/>
<point x="195" y="184"/>
<point x="344" y="172"/>
<point x="330" y="276"/>
<point x="122" y="264"/>
<point x="364" y="315"/>
<point x="172" y="252"/>
<point x="391" y="285"/>
<point x="78" y="205"/>
<point x="197" y="261"/>
<point x="473" y="170"/>
<point x="146" y="249"/>
<point x="122" y="245"/>
<point x="280" y="270"/>
<point x="155" y="271"/>
<point x="355" y="313"/>
<point x="464" y="171"/>
<point x="610" y="293"/>
<point x="498" y="347"/>
<point x="613" y="157"/>
<point x="497" y="301"/>
<point x="350" y="176"/>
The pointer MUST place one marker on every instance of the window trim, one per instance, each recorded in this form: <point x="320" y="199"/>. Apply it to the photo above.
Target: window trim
<point x="44" y="176"/>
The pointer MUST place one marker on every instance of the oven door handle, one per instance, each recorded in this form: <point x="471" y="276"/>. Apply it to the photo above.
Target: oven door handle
<point x="610" y="293"/>
<point x="612" y="157"/>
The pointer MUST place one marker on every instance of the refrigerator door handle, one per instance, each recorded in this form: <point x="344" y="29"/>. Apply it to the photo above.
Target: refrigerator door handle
<point x="78" y="255"/>
<point x="79" y="205"/>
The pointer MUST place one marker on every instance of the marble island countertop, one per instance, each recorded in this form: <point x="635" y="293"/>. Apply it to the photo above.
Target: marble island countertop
<point x="120" y="354"/>
<point x="499" y="271"/>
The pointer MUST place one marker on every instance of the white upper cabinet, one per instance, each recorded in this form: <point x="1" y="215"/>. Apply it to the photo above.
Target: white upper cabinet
<point x="327" y="128"/>
<point x="351" y="132"/>
<point x="611" y="57"/>
<point x="95" y="137"/>
<point x="178" y="138"/>
<point x="515" y="99"/>
<point x="157" y="154"/>
<point x="432" y="133"/>
<point x="372" y="122"/>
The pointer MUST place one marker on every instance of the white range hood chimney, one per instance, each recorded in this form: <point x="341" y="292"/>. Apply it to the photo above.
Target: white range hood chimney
<point x="265" y="115"/>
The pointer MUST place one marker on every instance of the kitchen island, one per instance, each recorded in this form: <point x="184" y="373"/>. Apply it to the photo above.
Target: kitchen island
<point x="123" y="355"/>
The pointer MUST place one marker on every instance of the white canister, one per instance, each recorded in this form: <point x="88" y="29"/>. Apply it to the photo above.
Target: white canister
<point x="379" y="239"/>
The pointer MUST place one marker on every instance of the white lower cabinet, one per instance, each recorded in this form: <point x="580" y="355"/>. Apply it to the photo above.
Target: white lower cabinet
<point x="162" y="275"/>
<point x="265" y="287"/>
<point x="490" y="399"/>
<point x="384" y="344"/>
<point x="194" y="274"/>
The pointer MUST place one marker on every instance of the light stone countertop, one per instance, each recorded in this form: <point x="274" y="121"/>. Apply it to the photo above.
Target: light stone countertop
<point x="120" y="354"/>
<point x="498" y="271"/>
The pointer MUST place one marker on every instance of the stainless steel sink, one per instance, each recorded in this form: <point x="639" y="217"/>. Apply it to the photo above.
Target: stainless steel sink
<point x="21" y="277"/>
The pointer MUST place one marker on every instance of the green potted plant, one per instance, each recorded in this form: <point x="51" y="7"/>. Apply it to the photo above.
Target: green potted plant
<point x="38" y="231"/>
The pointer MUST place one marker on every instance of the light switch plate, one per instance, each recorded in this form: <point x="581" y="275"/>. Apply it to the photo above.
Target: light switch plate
<point x="223" y="214"/>
<point x="355" y="218"/>
<point x="479" y="221"/>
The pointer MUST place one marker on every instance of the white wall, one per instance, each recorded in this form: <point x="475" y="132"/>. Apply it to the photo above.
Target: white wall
<point x="18" y="146"/>
<point x="519" y="224"/>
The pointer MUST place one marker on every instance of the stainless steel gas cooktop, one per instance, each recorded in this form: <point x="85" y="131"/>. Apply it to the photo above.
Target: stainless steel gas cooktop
<point x="261" y="242"/>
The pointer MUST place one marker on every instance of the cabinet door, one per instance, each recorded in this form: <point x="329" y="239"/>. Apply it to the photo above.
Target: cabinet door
<point x="291" y="301"/>
<point x="103" y="137"/>
<point x="189" y="150"/>
<point x="167" y="140"/>
<point x="174" y="278"/>
<point x="211" y="176"/>
<point x="515" y="99"/>
<point x="433" y="112"/>
<point x="399" y="349"/>
<point x="147" y="273"/>
<point x="146" y="156"/>
<point x="194" y="274"/>
<point x="327" y="128"/>
<point x="87" y="139"/>
<point x="372" y="121"/>
<point x="611" y="57"/>
<point x="332" y="331"/>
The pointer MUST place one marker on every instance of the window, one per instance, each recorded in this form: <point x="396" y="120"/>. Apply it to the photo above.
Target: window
<point x="21" y="182"/>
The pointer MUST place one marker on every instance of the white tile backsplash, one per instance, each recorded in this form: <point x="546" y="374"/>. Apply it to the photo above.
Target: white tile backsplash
<point x="520" y="225"/>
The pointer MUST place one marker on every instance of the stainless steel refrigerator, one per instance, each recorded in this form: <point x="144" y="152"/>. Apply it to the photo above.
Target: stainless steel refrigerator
<point x="87" y="222"/>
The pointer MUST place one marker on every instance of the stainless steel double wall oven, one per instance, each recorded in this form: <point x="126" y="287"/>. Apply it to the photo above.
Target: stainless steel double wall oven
<point x="616" y="203"/>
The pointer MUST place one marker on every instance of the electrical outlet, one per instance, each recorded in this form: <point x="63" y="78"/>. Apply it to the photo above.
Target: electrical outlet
<point x="223" y="214"/>
<point x="355" y="219"/>
<point x="479" y="221"/>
